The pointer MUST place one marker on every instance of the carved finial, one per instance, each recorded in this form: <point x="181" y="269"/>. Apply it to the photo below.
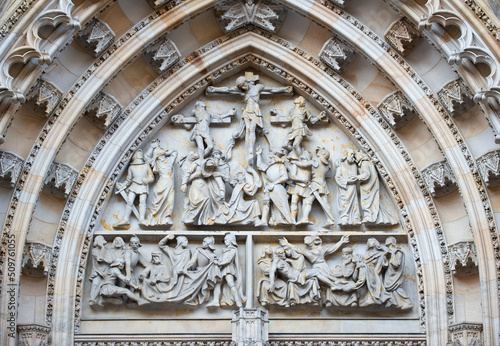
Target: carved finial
<point x="60" y="179"/>
<point x="96" y="37"/>
<point x="439" y="178"/>
<point x="37" y="258"/>
<point x="10" y="167"/>
<point x="161" y="54"/>
<point x="104" y="109"/>
<point x="402" y="36"/>
<point x="455" y="97"/>
<point x="336" y="54"/>
<point x="45" y="96"/>
<point x="396" y="109"/>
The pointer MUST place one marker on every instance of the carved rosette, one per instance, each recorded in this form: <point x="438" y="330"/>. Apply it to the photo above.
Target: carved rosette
<point x="439" y="178"/>
<point x="33" y="334"/>
<point x="403" y="37"/>
<point x="156" y="4"/>
<point x="455" y="97"/>
<point x="10" y="167"/>
<point x="45" y="96"/>
<point x="161" y="54"/>
<point x="104" y="109"/>
<point x="60" y="179"/>
<point x="96" y="37"/>
<point x="336" y="55"/>
<point x="396" y="109"/>
<point x="250" y="327"/>
<point x="37" y="258"/>
<point x="463" y="258"/>
<point x="231" y="15"/>
<point x="466" y="334"/>
<point x="489" y="168"/>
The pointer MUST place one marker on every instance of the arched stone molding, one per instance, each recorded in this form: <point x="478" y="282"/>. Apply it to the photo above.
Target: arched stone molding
<point x="445" y="140"/>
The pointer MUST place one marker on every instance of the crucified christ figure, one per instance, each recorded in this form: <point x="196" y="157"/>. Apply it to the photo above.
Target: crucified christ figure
<point x="251" y="119"/>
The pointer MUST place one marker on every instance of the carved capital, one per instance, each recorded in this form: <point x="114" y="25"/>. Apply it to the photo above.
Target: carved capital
<point x="489" y="167"/>
<point x="37" y="258"/>
<point x="33" y="334"/>
<point x="161" y="54"/>
<point x="336" y="54"/>
<point x="455" y="97"/>
<point x="10" y="167"/>
<point x="45" y="96"/>
<point x="466" y="334"/>
<point x="231" y="14"/>
<point x="96" y="37"/>
<point x="250" y="327"/>
<point x="439" y="178"/>
<point x="60" y="179"/>
<point x="396" y="109"/>
<point x="402" y="36"/>
<point x="463" y="258"/>
<point x="104" y="109"/>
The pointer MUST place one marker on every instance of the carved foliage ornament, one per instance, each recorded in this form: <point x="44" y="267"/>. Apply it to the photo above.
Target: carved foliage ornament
<point x="96" y="37"/>
<point x="489" y="168"/>
<point x="45" y="96"/>
<point x="232" y="15"/>
<point x="60" y="179"/>
<point x="396" y="109"/>
<point x="161" y="54"/>
<point x="36" y="259"/>
<point x="336" y="54"/>
<point x="105" y="108"/>
<point x="455" y="97"/>
<point x="10" y="167"/>
<point x="463" y="257"/>
<point x="403" y="37"/>
<point x="439" y="178"/>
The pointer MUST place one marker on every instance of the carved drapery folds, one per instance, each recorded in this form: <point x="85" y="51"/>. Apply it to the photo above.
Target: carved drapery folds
<point x="45" y="96"/>
<point x="10" y="167"/>
<point x="489" y="168"/>
<point x="103" y="110"/>
<point x="403" y="37"/>
<point x="33" y="335"/>
<point x="396" y="109"/>
<point x="37" y="258"/>
<point x="60" y="179"/>
<point x="439" y="178"/>
<point x="466" y="334"/>
<point x="96" y="37"/>
<point x="455" y="97"/>
<point x="463" y="258"/>
<point x="231" y="14"/>
<point x="250" y="327"/>
<point x="336" y="54"/>
<point x="161" y="54"/>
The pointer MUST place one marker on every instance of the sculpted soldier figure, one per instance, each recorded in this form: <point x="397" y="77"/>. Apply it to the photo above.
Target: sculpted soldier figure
<point x="139" y="176"/>
<point x="300" y="173"/>
<point x="99" y="267"/>
<point x="252" y="117"/>
<point x="319" y="188"/>
<point x="133" y="257"/>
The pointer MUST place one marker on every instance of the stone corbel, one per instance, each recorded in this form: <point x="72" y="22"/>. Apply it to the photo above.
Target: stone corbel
<point x="339" y="3"/>
<point x="463" y="258"/>
<point x="104" y="110"/>
<point x="455" y="97"/>
<point x="161" y="54"/>
<point x="250" y="327"/>
<point x="336" y="55"/>
<point x="466" y="334"/>
<point x="10" y="167"/>
<point x="96" y="37"/>
<point x="439" y="178"/>
<point x="489" y="167"/>
<point x="45" y="96"/>
<point x="403" y="36"/>
<point x="265" y="14"/>
<point x="60" y="179"/>
<point x="396" y="109"/>
<point x="37" y="258"/>
<point x="156" y="4"/>
<point x="33" y="334"/>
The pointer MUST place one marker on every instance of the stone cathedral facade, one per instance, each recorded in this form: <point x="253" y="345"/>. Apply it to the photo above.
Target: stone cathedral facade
<point x="250" y="172"/>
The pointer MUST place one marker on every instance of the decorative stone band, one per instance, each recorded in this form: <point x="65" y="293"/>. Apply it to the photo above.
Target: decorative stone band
<point x="37" y="258"/>
<point x="463" y="257"/>
<point x="60" y="179"/>
<point x="439" y="178"/>
<point x="396" y="109"/>
<point x="45" y="96"/>
<point x="162" y="54"/>
<point x="455" y="97"/>
<point x="104" y="110"/>
<point x="96" y="37"/>
<point x="466" y="334"/>
<point x="232" y="15"/>
<point x="346" y="342"/>
<point x="33" y="334"/>
<point x="489" y="167"/>
<point x="10" y="167"/>
<point x="403" y="36"/>
<point x="336" y="55"/>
